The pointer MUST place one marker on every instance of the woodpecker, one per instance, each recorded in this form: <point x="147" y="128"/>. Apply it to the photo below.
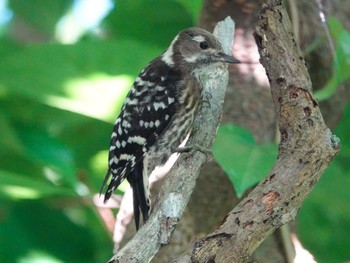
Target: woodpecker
<point x="158" y="113"/>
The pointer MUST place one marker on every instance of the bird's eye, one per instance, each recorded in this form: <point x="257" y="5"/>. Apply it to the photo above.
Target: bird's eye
<point x="203" y="45"/>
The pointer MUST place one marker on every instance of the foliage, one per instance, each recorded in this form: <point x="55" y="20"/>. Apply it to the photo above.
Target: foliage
<point x="245" y="162"/>
<point x="58" y="103"/>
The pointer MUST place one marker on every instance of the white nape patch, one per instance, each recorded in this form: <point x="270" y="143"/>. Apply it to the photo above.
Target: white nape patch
<point x="157" y="123"/>
<point x="158" y="105"/>
<point x="198" y="38"/>
<point x="167" y="57"/>
<point x="191" y="59"/>
<point x="137" y="139"/>
<point x="117" y="143"/>
<point x="170" y="100"/>
<point x="123" y="144"/>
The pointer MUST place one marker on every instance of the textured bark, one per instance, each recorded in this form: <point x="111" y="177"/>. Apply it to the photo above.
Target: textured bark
<point x="306" y="149"/>
<point x="179" y="183"/>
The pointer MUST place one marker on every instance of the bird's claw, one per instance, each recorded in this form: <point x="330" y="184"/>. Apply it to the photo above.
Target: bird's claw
<point x="194" y="147"/>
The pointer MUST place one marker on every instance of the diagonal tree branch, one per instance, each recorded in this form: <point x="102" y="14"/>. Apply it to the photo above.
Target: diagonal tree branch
<point x="306" y="149"/>
<point x="180" y="181"/>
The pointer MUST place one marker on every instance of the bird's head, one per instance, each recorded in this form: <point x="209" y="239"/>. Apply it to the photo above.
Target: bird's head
<point x="195" y="47"/>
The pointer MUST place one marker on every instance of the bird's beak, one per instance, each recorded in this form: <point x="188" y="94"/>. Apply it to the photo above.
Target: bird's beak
<point x="222" y="57"/>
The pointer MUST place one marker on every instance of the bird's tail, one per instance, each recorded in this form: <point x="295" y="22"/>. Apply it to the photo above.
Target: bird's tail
<point x="140" y="193"/>
<point x="114" y="183"/>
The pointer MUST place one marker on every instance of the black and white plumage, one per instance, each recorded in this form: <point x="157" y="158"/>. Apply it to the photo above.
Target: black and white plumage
<point x="158" y="113"/>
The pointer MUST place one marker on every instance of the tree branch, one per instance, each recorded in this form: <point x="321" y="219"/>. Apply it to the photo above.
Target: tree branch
<point x="306" y="149"/>
<point x="180" y="181"/>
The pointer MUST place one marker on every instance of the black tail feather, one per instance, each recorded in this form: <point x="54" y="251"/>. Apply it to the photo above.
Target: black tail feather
<point x="135" y="179"/>
<point x="105" y="180"/>
<point x="114" y="183"/>
<point x="136" y="208"/>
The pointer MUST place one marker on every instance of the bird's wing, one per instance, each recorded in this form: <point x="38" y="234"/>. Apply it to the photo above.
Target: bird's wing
<point x="147" y="111"/>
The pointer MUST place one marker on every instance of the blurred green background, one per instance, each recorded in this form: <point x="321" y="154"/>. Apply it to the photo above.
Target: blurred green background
<point x="65" y="69"/>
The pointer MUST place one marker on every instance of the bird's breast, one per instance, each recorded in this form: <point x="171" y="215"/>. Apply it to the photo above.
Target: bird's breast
<point x="191" y="95"/>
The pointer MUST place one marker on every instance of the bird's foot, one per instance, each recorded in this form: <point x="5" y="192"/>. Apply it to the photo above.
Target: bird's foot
<point x="194" y="147"/>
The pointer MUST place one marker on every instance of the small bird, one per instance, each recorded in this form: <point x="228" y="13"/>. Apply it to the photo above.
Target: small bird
<point x="158" y="113"/>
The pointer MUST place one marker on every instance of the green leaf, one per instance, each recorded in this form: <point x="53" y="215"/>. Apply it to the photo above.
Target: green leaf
<point x="50" y="153"/>
<point x="9" y="142"/>
<point x="41" y="231"/>
<point x="144" y="21"/>
<point x="193" y="7"/>
<point x="15" y="187"/>
<point x="245" y="162"/>
<point x="341" y="62"/>
<point x="46" y="70"/>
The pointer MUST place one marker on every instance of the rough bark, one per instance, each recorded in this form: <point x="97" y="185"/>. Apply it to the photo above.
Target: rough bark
<point x="180" y="182"/>
<point x="306" y="149"/>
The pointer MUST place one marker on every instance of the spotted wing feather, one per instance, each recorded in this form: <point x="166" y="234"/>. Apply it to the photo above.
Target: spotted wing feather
<point x="147" y="111"/>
